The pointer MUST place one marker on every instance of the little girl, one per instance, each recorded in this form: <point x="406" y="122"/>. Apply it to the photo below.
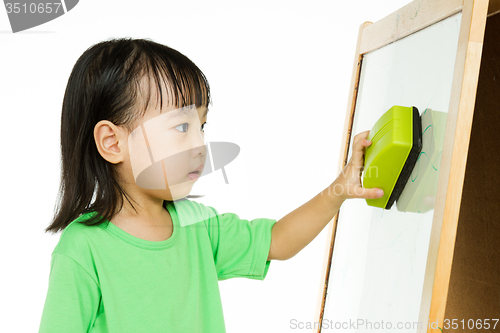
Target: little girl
<point x="135" y="254"/>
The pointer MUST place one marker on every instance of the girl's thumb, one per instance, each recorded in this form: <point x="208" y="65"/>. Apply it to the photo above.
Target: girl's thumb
<point x="372" y="193"/>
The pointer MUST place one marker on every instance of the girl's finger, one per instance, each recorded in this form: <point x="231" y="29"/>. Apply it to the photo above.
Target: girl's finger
<point x="358" y="151"/>
<point x="370" y="193"/>
<point x="362" y="135"/>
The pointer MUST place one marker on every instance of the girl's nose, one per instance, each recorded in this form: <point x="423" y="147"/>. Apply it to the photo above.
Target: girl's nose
<point x="198" y="144"/>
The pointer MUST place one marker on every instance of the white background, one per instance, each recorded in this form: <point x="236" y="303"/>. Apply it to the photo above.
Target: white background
<point x="279" y="73"/>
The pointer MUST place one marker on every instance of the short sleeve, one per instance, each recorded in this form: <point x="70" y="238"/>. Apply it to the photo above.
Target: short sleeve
<point x="72" y="300"/>
<point x="240" y="247"/>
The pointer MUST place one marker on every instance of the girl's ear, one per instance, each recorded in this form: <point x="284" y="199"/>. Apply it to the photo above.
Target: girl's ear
<point x="110" y="141"/>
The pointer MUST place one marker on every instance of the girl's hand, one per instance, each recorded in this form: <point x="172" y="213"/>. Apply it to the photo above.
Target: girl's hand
<point x="348" y="183"/>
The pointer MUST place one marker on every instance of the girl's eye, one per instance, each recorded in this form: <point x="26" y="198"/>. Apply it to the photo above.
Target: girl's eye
<point x="186" y="126"/>
<point x="183" y="125"/>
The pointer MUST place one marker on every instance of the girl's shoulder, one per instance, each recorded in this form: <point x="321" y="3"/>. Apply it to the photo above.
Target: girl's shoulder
<point x="191" y="212"/>
<point x="77" y="236"/>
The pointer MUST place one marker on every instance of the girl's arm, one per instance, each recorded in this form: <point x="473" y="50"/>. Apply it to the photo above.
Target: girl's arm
<point x="72" y="298"/>
<point x="297" y="229"/>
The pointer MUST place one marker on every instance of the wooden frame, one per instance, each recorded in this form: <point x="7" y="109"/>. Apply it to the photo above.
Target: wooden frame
<point x="411" y="18"/>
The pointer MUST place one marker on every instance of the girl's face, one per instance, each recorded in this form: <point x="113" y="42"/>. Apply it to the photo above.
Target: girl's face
<point x="166" y="148"/>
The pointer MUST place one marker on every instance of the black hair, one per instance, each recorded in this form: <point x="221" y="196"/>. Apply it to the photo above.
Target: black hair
<point x="104" y="85"/>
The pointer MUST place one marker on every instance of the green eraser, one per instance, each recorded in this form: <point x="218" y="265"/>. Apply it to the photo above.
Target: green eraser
<point x="396" y="143"/>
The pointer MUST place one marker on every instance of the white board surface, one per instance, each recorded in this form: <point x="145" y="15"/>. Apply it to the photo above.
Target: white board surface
<point x="379" y="257"/>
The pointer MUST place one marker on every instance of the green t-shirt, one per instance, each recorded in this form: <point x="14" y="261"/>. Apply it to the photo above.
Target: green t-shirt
<point x="103" y="279"/>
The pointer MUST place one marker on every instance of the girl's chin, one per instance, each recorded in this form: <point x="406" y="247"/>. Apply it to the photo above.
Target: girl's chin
<point x="180" y="191"/>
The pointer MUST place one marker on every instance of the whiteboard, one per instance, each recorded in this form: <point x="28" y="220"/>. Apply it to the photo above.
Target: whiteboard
<point x="379" y="257"/>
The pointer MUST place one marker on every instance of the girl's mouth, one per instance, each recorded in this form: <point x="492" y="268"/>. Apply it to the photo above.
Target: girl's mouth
<point x="194" y="175"/>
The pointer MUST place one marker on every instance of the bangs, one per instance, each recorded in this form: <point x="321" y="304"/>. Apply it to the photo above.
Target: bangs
<point x="173" y="77"/>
